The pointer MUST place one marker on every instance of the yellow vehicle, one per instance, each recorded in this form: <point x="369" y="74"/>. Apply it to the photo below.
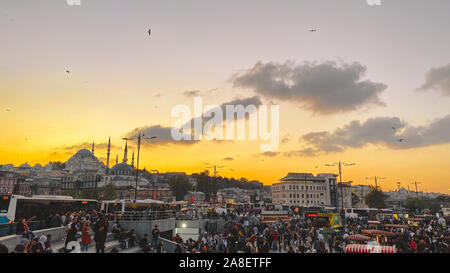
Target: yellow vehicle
<point x="324" y="220"/>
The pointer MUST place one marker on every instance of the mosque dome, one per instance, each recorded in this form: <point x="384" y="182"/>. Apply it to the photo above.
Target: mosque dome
<point x="48" y="166"/>
<point x="26" y="165"/>
<point x="122" y="169"/>
<point x="83" y="160"/>
<point x="37" y="166"/>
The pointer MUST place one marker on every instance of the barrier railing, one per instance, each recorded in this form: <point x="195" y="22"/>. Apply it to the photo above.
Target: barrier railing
<point x="143" y="216"/>
<point x="10" y="229"/>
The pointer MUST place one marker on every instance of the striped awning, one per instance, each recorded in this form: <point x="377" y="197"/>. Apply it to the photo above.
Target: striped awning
<point x="396" y="226"/>
<point x="358" y="237"/>
<point x="378" y="232"/>
<point x="355" y="248"/>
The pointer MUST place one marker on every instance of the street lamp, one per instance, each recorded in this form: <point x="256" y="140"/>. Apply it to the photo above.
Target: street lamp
<point x="137" y="163"/>
<point x="376" y="180"/>
<point x="340" y="180"/>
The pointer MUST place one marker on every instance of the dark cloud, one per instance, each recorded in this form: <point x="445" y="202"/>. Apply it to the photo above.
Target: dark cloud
<point x="286" y="138"/>
<point x="384" y="131"/>
<point x="438" y="79"/>
<point x="269" y="154"/>
<point x="256" y="101"/>
<point x="192" y="93"/>
<point x="323" y="88"/>
<point x="162" y="133"/>
<point x="85" y="145"/>
<point x="301" y="153"/>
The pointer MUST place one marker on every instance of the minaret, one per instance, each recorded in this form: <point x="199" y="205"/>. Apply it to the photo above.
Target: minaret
<point x="92" y="147"/>
<point x="125" y="153"/>
<point x="132" y="160"/>
<point x="108" y="154"/>
<point x="117" y="159"/>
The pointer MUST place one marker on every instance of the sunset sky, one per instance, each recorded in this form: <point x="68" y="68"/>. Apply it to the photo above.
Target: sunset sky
<point x="341" y="90"/>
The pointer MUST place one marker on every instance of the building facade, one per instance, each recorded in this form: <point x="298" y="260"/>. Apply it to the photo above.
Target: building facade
<point x="8" y="181"/>
<point x="305" y="189"/>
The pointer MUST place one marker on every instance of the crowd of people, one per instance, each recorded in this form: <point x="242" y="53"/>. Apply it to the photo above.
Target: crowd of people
<point x="244" y="234"/>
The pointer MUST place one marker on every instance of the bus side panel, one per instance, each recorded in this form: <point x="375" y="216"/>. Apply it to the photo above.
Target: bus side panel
<point x="12" y="208"/>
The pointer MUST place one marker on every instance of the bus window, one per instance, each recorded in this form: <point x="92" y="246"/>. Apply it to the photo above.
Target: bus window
<point x="4" y="203"/>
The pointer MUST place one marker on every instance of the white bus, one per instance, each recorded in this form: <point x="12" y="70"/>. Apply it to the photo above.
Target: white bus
<point x="114" y="206"/>
<point x="14" y="207"/>
<point x="359" y="212"/>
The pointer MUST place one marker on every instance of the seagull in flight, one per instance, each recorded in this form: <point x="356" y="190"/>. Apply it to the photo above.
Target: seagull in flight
<point x="393" y="128"/>
<point x="313" y="30"/>
<point x="67" y="71"/>
<point x="149" y="31"/>
<point x="401" y="139"/>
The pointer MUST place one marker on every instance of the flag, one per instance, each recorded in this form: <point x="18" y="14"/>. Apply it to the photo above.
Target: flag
<point x="192" y="198"/>
<point x="154" y="195"/>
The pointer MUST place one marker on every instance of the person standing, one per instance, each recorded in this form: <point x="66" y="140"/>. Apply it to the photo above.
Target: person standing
<point x="100" y="234"/>
<point x="85" y="237"/>
<point x="155" y="236"/>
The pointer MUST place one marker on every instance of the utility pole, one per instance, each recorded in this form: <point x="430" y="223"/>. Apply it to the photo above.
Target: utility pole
<point x="137" y="162"/>
<point x="306" y="190"/>
<point x="340" y="180"/>
<point x="376" y="180"/>
<point x="417" y="192"/>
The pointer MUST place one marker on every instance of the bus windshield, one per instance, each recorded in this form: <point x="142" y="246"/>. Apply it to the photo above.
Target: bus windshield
<point x="4" y="203"/>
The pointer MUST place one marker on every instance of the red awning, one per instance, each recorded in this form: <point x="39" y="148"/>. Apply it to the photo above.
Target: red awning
<point x="396" y="226"/>
<point x="378" y="232"/>
<point x="358" y="237"/>
<point x="355" y="248"/>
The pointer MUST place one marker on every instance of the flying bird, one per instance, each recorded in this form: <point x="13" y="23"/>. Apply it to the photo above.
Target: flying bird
<point x="149" y="31"/>
<point x="394" y="128"/>
<point x="67" y="71"/>
<point x="400" y="140"/>
<point x="313" y="30"/>
<point x="8" y="109"/>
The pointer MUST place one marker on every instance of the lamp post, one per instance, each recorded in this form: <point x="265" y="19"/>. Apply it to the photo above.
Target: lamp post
<point x="137" y="162"/>
<point x="376" y="180"/>
<point x="340" y="181"/>
<point x="153" y="184"/>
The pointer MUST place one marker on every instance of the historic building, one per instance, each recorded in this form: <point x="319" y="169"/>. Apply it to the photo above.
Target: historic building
<point x="305" y="189"/>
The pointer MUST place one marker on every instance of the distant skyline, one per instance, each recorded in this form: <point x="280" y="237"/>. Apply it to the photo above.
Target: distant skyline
<point x="369" y="76"/>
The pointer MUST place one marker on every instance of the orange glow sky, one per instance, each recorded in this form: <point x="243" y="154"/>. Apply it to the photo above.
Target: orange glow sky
<point x="121" y="79"/>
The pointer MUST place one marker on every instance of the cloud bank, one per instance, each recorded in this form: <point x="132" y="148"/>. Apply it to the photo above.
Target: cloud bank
<point x="438" y="79"/>
<point x="323" y="88"/>
<point x="384" y="131"/>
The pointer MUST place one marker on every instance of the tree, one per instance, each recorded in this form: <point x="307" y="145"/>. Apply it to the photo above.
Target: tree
<point x="179" y="185"/>
<point x="109" y="193"/>
<point x="206" y="185"/>
<point x="376" y="198"/>
<point x="58" y="165"/>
